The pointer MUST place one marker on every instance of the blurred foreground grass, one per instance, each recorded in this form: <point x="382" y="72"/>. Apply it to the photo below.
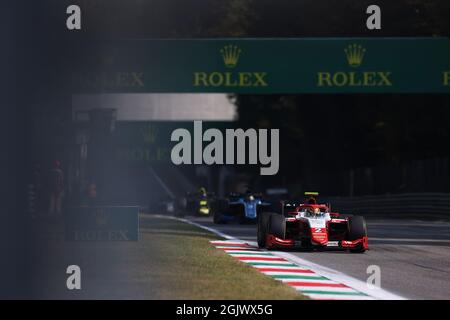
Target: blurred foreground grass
<point x="189" y="267"/>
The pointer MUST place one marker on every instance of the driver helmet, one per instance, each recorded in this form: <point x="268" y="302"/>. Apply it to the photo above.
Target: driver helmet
<point x="309" y="212"/>
<point x="249" y="194"/>
<point x="202" y="191"/>
<point x="317" y="212"/>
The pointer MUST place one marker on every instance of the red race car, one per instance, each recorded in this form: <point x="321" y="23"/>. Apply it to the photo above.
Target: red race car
<point x="311" y="225"/>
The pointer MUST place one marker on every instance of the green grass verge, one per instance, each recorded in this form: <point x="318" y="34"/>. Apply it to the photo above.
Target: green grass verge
<point x="186" y="266"/>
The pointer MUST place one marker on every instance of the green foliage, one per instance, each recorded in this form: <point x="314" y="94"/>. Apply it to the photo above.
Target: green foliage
<point x="263" y="18"/>
<point x="342" y="132"/>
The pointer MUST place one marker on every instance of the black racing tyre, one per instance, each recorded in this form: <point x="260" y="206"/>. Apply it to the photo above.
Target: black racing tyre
<point x="221" y="204"/>
<point x="217" y="217"/>
<point x="238" y="211"/>
<point x="262" y="208"/>
<point x="357" y="229"/>
<point x="263" y="219"/>
<point x="277" y="225"/>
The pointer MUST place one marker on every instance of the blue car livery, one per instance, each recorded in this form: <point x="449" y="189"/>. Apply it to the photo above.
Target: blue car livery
<point x="241" y="208"/>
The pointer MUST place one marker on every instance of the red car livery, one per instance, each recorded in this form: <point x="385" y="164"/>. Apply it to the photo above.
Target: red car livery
<point x="311" y="225"/>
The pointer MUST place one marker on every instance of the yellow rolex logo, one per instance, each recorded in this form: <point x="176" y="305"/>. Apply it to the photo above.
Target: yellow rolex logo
<point x="354" y="78"/>
<point x="230" y="55"/>
<point x="446" y="78"/>
<point x="355" y="55"/>
<point x="100" y="217"/>
<point x="149" y="133"/>
<point x="230" y="78"/>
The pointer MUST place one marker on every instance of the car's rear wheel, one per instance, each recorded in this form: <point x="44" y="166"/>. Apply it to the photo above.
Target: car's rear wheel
<point x="263" y="219"/>
<point x="238" y="210"/>
<point x="357" y="230"/>
<point x="277" y="225"/>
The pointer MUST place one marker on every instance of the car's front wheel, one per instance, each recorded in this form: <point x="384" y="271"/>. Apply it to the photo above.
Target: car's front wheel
<point x="277" y="225"/>
<point x="263" y="219"/>
<point x="357" y="230"/>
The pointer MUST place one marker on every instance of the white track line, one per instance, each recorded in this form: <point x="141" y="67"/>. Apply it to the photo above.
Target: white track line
<point x="357" y="284"/>
<point x="327" y="289"/>
<point x="410" y="240"/>
<point x="329" y="273"/>
<point x="338" y="276"/>
<point x="337" y="297"/>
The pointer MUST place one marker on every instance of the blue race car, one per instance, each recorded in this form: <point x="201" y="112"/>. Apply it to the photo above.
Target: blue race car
<point x="238" y="207"/>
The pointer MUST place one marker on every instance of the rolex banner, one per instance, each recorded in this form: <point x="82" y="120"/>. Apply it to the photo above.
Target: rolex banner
<point x="147" y="142"/>
<point x="119" y="223"/>
<point x="338" y="65"/>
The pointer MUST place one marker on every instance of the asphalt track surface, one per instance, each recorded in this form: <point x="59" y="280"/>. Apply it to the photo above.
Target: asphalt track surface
<point x="413" y="255"/>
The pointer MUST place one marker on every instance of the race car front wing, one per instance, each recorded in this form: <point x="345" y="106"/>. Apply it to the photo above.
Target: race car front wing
<point x="275" y="242"/>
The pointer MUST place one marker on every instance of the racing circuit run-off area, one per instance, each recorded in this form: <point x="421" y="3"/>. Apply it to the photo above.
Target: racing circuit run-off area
<point x="227" y="158"/>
